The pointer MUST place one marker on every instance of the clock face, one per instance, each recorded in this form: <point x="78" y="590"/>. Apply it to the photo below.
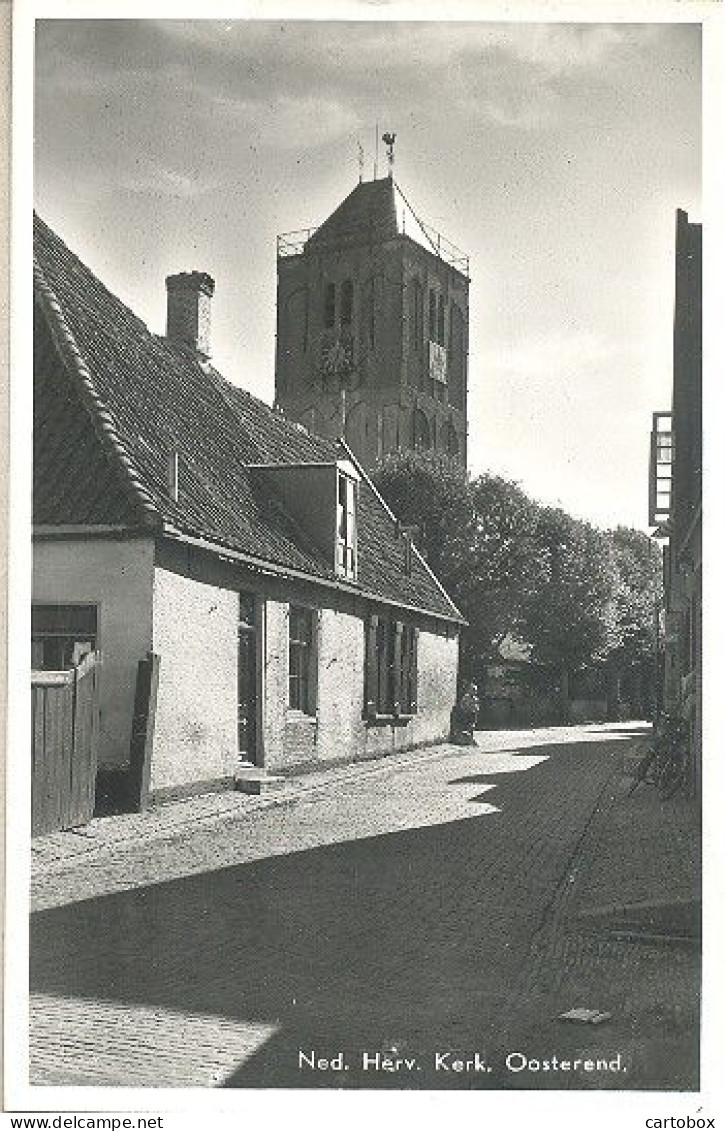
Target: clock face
<point x="336" y="358"/>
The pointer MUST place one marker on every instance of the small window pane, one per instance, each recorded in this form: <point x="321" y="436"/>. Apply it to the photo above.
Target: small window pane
<point x="61" y="635"/>
<point x="301" y="659"/>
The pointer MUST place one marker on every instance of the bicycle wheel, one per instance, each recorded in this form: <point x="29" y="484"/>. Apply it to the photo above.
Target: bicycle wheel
<point x="643" y="769"/>
<point x="672" y="776"/>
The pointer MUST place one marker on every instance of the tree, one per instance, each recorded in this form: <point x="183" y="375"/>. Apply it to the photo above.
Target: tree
<point x="478" y="536"/>
<point x="433" y="495"/>
<point x="637" y="599"/>
<point x="570" y="620"/>
<point x="506" y="567"/>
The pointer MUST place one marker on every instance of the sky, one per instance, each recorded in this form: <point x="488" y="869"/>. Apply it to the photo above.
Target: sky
<point x="554" y="155"/>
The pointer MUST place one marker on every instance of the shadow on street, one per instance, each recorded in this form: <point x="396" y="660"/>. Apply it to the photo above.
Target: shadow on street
<point x="409" y="940"/>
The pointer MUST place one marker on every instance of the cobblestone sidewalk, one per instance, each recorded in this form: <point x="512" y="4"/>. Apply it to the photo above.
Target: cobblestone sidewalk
<point x="110" y="852"/>
<point x="622" y="936"/>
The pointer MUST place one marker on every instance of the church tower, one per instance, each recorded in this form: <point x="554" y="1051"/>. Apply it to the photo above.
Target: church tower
<point x="372" y="328"/>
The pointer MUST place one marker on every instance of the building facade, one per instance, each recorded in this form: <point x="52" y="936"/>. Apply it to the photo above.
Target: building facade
<point x="372" y="328"/>
<point x="676" y="494"/>
<point x="176" y="517"/>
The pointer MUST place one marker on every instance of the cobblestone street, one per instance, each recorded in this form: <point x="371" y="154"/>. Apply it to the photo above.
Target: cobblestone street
<point x="397" y="910"/>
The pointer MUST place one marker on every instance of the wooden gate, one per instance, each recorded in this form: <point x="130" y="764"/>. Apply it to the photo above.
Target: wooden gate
<point x="65" y="746"/>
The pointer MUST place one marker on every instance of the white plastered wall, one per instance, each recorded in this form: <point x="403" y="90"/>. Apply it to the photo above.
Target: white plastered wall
<point x="117" y="576"/>
<point x="342" y="732"/>
<point x="195" y="629"/>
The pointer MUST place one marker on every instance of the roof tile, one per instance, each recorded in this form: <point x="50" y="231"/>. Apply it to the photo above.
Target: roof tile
<point x="156" y="398"/>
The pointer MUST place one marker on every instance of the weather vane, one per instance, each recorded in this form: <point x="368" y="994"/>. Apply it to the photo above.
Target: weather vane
<point x="389" y="141"/>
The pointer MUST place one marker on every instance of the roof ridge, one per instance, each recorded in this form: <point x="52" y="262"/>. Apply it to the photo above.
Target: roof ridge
<point x="107" y="429"/>
<point x="51" y="234"/>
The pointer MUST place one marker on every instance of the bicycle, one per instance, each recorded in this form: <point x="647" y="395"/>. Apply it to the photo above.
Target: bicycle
<point x="666" y="763"/>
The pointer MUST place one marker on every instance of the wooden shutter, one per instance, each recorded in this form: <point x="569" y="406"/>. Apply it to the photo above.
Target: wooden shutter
<point x="371" y="668"/>
<point x="314" y="650"/>
<point x="397" y="688"/>
<point x="413" y="672"/>
<point x="405" y="671"/>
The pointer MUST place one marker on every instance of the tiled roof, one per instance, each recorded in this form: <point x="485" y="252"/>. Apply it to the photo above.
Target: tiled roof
<point x="126" y="399"/>
<point x="373" y="212"/>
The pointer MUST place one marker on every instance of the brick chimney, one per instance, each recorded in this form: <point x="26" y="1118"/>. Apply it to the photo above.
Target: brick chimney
<point x="188" y="310"/>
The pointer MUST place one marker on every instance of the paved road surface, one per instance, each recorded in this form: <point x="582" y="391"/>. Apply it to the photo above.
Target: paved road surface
<point x="393" y="913"/>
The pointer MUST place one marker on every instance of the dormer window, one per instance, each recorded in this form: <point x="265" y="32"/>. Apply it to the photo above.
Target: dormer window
<point x="323" y="499"/>
<point x="346" y="548"/>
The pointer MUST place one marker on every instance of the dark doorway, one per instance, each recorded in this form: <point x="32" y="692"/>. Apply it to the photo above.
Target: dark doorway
<point x="247" y="678"/>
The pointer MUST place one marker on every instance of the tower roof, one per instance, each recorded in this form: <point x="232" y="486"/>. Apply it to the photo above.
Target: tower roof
<point x="114" y="401"/>
<point x="376" y="211"/>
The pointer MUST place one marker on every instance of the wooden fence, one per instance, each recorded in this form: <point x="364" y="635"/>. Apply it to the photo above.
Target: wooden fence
<point x="65" y="746"/>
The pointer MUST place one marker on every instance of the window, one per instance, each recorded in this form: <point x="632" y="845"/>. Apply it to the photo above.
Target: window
<point x="329" y="313"/>
<point x="450" y="439"/>
<point x="346" y="303"/>
<point x="61" y="635"/>
<point x="432" y="325"/>
<point x="346" y="550"/>
<point x="441" y="338"/>
<point x="391" y="669"/>
<point x="415" y="313"/>
<point x="302" y="660"/>
<point x="370" y="312"/>
<point x="420" y="431"/>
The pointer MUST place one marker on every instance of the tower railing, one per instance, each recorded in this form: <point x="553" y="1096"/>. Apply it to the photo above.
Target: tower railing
<point x="293" y="243"/>
<point x="446" y="250"/>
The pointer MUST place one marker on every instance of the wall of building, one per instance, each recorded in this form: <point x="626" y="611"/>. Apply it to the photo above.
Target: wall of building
<point x="389" y="378"/>
<point x="184" y="606"/>
<point x="195" y="635"/>
<point x="275" y="685"/>
<point x="340" y="732"/>
<point x="117" y="576"/>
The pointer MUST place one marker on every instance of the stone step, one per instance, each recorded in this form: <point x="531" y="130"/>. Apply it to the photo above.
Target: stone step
<point x="256" y="780"/>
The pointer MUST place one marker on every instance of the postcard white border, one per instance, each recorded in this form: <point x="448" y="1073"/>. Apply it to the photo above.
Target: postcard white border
<point x="600" y="1109"/>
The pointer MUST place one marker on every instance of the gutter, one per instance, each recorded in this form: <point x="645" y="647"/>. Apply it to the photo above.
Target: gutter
<point x="266" y="568"/>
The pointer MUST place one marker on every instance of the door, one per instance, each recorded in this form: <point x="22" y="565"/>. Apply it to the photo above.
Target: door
<point x="247" y="679"/>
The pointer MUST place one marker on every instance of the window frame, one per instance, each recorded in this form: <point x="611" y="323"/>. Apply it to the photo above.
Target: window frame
<point x="391" y="670"/>
<point x="302" y="660"/>
<point x="64" y="633"/>
<point x="329" y="306"/>
<point x="441" y="322"/>
<point x="346" y="515"/>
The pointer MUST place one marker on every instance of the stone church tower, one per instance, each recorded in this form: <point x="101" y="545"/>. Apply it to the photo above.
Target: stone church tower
<point x="372" y="328"/>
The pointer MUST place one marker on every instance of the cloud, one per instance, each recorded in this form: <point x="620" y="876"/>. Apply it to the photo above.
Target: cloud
<point x="288" y="123"/>
<point x="158" y="181"/>
<point x="556" y="48"/>
<point x="502" y="73"/>
<point x="553" y="47"/>
<point x="316" y="80"/>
